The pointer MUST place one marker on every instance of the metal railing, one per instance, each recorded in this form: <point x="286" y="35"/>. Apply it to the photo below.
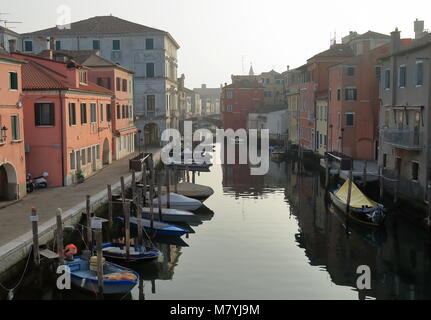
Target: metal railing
<point x="404" y="138"/>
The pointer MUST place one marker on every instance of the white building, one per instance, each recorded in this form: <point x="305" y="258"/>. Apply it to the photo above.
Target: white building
<point x="273" y="118"/>
<point x="149" y="52"/>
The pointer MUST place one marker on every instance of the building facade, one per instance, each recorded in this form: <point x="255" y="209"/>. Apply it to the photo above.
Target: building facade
<point x="149" y="52"/>
<point x="238" y="99"/>
<point x="12" y="155"/>
<point x="210" y="99"/>
<point x="405" y="116"/>
<point x="68" y="132"/>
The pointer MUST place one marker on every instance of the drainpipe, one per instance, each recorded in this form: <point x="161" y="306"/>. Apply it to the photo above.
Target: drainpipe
<point x="62" y="138"/>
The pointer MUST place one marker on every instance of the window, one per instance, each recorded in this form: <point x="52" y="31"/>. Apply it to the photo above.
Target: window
<point x="83" y="157"/>
<point x="415" y="171"/>
<point x="150" y="70"/>
<point x="44" y="114"/>
<point x="350" y="94"/>
<point x="118" y="84"/>
<point x="229" y="108"/>
<point x="28" y="45"/>
<point x="72" y="161"/>
<point x="13" y="81"/>
<point x="89" y="154"/>
<point x="83" y="113"/>
<point x="229" y="95"/>
<point x="385" y="160"/>
<point x="149" y="44"/>
<point x="116" y="45"/>
<point x="350" y="119"/>
<point x="83" y="77"/>
<point x="402" y="76"/>
<point x="118" y="112"/>
<point x="378" y="71"/>
<point x="350" y="71"/>
<point x="398" y="165"/>
<point x="386" y="118"/>
<point x="96" y="44"/>
<point x="387" y="84"/>
<point x="57" y="45"/>
<point x="104" y="82"/>
<point x="124" y="85"/>
<point x="98" y="152"/>
<point x="123" y="113"/>
<point x="108" y="112"/>
<point x="93" y="113"/>
<point x="151" y="104"/>
<point x="338" y="94"/>
<point x="72" y="114"/>
<point x="101" y="112"/>
<point x="15" y="127"/>
<point x="419" y="73"/>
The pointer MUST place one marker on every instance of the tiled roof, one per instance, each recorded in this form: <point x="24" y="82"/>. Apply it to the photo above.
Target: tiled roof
<point x="38" y="77"/>
<point x="336" y="50"/>
<point x="99" y="25"/>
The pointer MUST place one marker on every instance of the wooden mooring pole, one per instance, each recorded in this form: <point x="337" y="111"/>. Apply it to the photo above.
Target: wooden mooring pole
<point x="133" y="185"/>
<point x="34" y="219"/>
<point x="98" y="235"/>
<point x="364" y="174"/>
<point x="144" y="183"/>
<point x="89" y="231"/>
<point x="349" y="192"/>
<point x="168" y="188"/>
<point x="175" y="179"/>
<point x="139" y="218"/>
<point x="327" y="168"/>
<point x="59" y="236"/>
<point x="110" y="207"/>
<point x="126" y="213"/>
<point x="381" y="182"/>
<point x="159" y="197"/>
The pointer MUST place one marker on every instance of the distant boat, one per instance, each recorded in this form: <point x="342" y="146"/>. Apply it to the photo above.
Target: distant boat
<point x="179" y="202"/>
<point x="159" y="228"/>
<point x="172" y="215"/>
<point x="192" y="190"/>
<point x="117" y="251"/>
<point x="116" y="279"/>
<point x="362" y="209"/>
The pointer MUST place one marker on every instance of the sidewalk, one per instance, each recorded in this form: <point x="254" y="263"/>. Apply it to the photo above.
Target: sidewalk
<point x="14" y="219"/>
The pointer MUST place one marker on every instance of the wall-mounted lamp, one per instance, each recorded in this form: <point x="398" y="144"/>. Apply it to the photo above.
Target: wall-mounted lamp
<point x="3" y="133"/>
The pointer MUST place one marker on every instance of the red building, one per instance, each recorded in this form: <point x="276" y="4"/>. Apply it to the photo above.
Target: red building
<point x="354" y="105"/>
<point x="316" y="80"/>
<point x="243" y="96"/>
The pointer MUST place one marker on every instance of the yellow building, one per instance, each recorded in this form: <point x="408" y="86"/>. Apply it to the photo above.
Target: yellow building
<point x="273" y="87"/>
<point x="321" y="123"/>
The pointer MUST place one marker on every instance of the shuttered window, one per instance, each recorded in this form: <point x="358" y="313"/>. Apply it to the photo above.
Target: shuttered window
<point x="44" y="114"/>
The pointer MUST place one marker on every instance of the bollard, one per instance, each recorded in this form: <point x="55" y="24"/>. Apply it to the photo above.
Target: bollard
<point x="34" y="219"/>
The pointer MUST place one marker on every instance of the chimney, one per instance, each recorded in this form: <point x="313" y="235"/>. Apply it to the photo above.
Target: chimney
<point x="47" y="54"/>
<point x="419" y="28"/>
<point x="204" y="86"/>
<point x="395" y="41"/>
<point x="288" y="68"/>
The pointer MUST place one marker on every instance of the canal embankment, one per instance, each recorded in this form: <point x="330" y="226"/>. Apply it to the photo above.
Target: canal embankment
<point x="15" y="228"/>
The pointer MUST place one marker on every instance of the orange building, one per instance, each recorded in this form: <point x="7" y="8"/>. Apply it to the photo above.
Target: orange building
<point x="120" y="81"/>
<point x="66" y="120"/>
<point x="12" y="156"/>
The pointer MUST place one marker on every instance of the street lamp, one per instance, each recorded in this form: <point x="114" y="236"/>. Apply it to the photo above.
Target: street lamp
<point x="3" y="133"/>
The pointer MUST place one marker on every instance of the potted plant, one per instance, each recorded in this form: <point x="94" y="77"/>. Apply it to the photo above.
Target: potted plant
<point x="80" y="176"/>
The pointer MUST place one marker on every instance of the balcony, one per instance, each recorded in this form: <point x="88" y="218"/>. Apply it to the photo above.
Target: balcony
<point x="404" y="138"/>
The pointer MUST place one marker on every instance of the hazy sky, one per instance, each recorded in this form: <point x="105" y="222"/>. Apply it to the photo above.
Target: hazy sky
<point x="222" y="37"/>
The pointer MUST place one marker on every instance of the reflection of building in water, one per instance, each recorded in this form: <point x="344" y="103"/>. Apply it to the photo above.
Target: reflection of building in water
<point x="237" y="179"/>
<point x="399" y="258"/>
<point x="276" y="176"/>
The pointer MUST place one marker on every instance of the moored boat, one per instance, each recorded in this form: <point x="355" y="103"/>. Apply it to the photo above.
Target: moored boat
<point x="116" y="279"/>
<point x="361" y="208"/>
<point x="159" y="228"/>
<point x="178" y="201"/>
<point x="117" y="251"/>
<point x="172" y="215"/>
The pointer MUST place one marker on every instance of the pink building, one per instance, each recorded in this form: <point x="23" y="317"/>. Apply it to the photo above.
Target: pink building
<point x="66" y="123"/>
<point x="12" y="156"/>
<point x="120" y="81"/>
<point x="354" y="105"/>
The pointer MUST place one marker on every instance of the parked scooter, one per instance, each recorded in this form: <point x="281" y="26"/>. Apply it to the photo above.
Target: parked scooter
<point x="38" y="182"/>
<point x="29" y="183"/>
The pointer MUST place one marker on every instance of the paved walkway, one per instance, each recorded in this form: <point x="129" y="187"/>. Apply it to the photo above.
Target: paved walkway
<point x="14" y="219"/>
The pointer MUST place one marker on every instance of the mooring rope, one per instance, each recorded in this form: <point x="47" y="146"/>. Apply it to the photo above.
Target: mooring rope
<point x="22" y="276"/>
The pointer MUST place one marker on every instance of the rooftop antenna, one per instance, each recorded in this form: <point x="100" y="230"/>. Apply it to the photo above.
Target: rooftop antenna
<point x="6" y="23"/>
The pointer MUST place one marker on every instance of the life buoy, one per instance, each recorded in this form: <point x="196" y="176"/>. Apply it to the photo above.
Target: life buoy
<point x="70" y="249"/>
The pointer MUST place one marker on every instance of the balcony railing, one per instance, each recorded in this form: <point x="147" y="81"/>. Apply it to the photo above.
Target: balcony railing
<point x="404" y="138"/>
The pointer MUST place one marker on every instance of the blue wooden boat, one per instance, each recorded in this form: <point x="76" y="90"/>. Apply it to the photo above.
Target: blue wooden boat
<point x="159" y="228"/>
<point x="116" y="279"/>
<point x="117" y="251"/>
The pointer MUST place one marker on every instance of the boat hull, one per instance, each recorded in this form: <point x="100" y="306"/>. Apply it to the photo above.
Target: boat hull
<point x="115" y="251"/>
<point x="159" y="228"/>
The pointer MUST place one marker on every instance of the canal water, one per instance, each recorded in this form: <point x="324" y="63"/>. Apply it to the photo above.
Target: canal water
<point x="274" y="237"/>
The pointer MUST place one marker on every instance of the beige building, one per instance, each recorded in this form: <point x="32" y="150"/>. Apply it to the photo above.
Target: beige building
<point x="321" y="123"/>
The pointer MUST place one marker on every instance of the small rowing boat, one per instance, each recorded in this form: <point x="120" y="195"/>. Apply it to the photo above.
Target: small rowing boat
<point x="159" y="228"/>
<point x="116" y="279"/>
<point x="172" y="215"/>
<point x="178" y="201"/>
<point x="361" y="208"/>
<point x="117" y="251"/>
